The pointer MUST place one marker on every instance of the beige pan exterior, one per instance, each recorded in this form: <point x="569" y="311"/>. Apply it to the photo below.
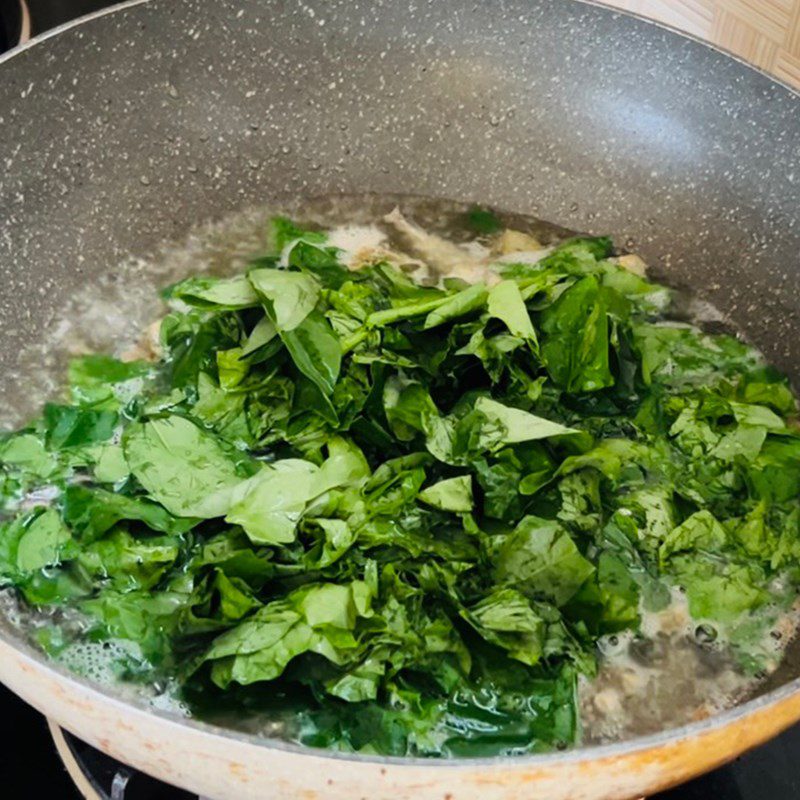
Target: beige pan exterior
<point x="226" y="766"/>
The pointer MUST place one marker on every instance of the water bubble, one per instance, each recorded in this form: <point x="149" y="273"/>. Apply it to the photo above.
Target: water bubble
<point x="705" y="634"/>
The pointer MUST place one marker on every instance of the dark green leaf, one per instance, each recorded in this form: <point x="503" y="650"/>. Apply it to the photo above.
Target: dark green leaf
<point x="576" y="343"/>
<point x="71" y="426"/>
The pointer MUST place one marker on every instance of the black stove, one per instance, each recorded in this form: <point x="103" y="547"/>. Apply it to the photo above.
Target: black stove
<point x="41" y="761"/>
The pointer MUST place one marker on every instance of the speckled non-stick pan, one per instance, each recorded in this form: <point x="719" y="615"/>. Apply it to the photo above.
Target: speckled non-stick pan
<point x="122" y="131"/>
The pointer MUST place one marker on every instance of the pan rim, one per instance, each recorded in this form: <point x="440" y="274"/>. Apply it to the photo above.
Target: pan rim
<point x="718" y="48"/>
<point x="574" y="756"/>
<point x="724" y="51"/>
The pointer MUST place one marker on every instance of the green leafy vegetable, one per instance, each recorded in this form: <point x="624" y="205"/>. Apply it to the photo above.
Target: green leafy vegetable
<point x="540" y="559"/>
<point x="181" y="466"/>
<point x="70" y="426"/>
<point x="483" y="221"/>
<point x="222" y="293"/>
<point x="507" y="619"/>
<point x="452" y="494"/>
<point x="506" y="304"/>
<point x="398" y="518"/>
<point x="512" y="425"/>
<point x="42" y="542"/>
<point x="91" y="512"/>
<point x="317" y="618"/>
<point x="316" y="351"/>
<point x="576" y="344"/>
<point x="289" y="297"/>
<point x="465" y="302"/>
<point x="269" y="505"/>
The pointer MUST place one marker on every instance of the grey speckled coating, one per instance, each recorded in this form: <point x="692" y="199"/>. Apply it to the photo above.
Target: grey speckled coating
<point x="124" y="131"/>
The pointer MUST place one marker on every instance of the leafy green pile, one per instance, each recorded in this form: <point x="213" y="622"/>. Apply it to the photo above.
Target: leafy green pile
<point x="399" y="517"/>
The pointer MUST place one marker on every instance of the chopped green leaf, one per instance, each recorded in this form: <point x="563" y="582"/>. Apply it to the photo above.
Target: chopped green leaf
<point x="452" y="494"/>
<point x="181" y="466"/>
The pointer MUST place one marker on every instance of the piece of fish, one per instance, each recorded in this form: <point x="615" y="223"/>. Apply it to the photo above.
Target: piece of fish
<point x="511" y="241"/>
<point x="148" y="348"/>
<point x="445" y="258"/>
<point x="633" y="263"/>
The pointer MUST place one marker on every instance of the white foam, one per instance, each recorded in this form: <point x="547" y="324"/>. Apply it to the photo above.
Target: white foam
<point x="352" y="239"/>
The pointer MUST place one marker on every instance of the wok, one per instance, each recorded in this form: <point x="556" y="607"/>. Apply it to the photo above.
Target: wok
<point x="122" y="131"/>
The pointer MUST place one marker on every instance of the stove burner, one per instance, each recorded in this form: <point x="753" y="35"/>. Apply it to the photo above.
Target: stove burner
<point x="15" y="23"/>
<point x="100" y="777"/>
